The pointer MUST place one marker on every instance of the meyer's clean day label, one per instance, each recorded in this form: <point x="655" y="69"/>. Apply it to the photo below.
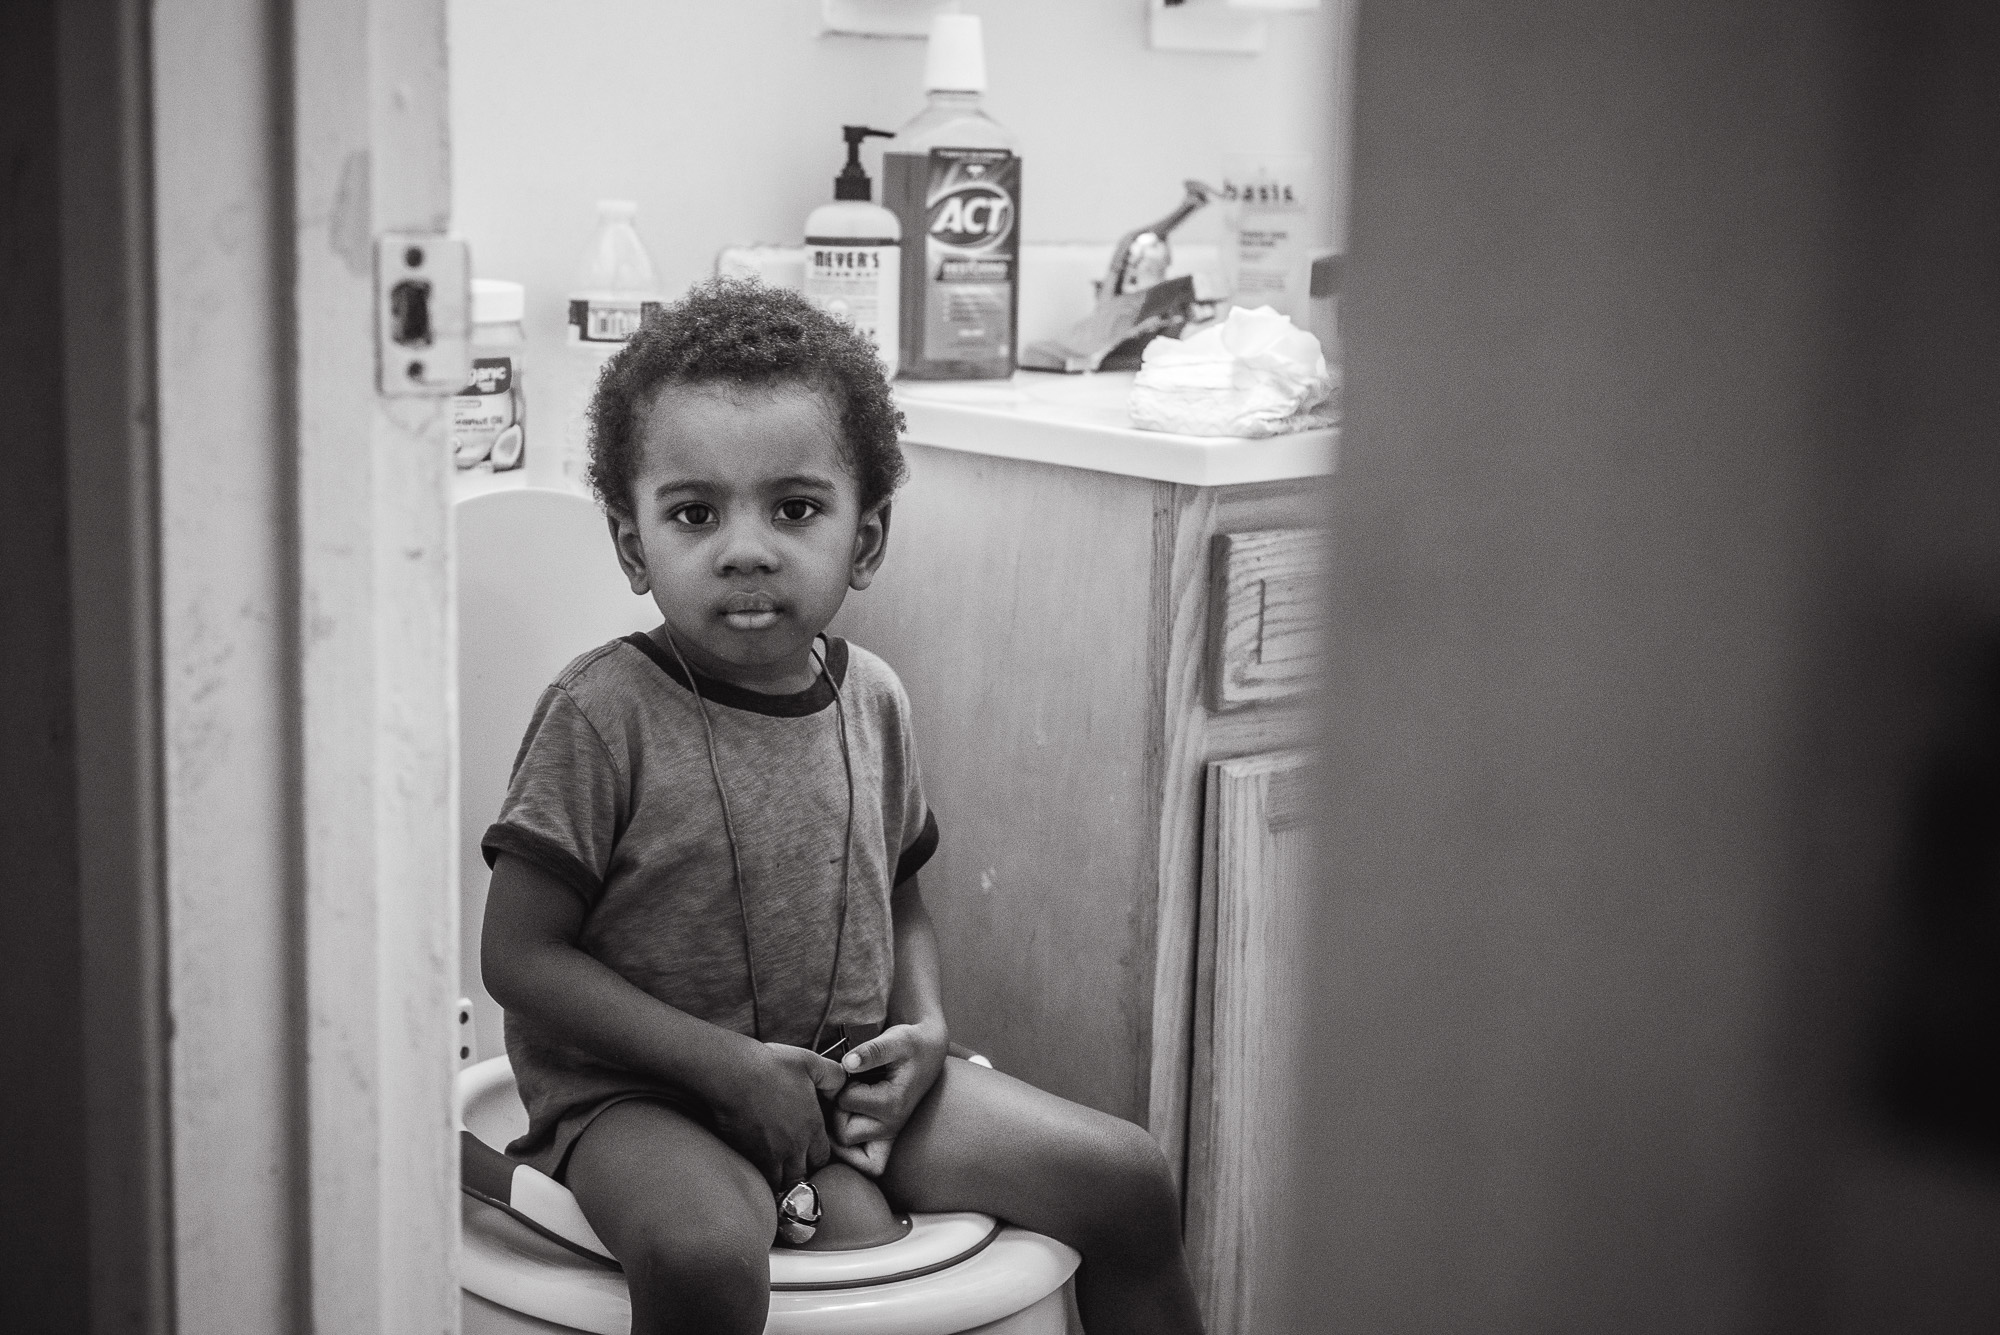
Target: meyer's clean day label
<point x="607" y="319"/>
<point x="857" y="281"/>
<point x="959" y="271"/>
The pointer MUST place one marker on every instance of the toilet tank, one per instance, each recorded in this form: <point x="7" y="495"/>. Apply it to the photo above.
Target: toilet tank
<point x="538" y="585"/>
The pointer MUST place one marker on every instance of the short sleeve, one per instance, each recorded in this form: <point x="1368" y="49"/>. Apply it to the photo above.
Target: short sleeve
<point x="919" y="850"/>
<point x="920" y="827"/>
<point x="565" y="802"/>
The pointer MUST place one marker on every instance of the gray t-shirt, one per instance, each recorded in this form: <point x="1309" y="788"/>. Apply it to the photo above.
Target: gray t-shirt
<point x="613" y="795"/>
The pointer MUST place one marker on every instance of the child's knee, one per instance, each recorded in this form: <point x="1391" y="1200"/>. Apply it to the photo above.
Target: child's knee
<point x="1130" y="1204"/>
<point x="712" y="1274"/>
<point x="1137" y="1170"/>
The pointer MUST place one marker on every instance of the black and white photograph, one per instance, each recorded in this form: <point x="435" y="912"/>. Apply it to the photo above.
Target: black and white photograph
<point x="1000" y="667"/>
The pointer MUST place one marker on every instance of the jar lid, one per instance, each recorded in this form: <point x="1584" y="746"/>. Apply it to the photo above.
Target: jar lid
<point x="497" y="301"/>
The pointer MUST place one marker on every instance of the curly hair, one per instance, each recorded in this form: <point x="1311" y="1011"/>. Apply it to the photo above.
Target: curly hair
<point x="734" y="331"/>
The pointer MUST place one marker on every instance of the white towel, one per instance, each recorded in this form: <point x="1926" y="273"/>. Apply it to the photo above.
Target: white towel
<point x="1253" y="374"/>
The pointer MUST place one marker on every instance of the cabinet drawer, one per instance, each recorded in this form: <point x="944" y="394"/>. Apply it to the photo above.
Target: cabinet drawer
<point x="1265" y="628"/>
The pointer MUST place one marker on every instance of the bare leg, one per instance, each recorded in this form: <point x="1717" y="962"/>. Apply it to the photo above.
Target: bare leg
<point x="688" y="1217"/>
<point x="985" y="1141"/>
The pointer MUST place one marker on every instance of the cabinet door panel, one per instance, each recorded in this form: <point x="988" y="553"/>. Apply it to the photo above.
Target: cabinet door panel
<point x="1248" y="998"/>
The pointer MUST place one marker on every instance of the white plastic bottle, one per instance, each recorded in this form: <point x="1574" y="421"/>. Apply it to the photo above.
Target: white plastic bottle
<point x="615" y="287"/>
<point x="1264" y="256"/>
<point x="854" y="254"/>
<point x="488" y="416"/>
<point x="953" y="178"/>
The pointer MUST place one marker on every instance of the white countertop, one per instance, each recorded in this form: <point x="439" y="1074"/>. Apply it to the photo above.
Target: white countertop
<point x="1079" y="421"/>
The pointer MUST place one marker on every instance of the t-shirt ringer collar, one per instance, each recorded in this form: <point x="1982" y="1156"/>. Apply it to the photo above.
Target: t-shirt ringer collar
<point x="809" y="701"/>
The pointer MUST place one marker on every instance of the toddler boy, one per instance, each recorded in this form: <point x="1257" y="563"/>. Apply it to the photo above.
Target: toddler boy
<point x="705" y="871"/>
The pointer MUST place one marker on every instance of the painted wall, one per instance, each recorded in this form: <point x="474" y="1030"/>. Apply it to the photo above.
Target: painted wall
<point x="722" y="121"/>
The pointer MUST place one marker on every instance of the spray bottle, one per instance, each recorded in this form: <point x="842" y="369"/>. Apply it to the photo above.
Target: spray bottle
<point x="854" y="253"/>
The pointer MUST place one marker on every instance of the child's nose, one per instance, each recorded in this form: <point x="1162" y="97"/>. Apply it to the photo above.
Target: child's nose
<point x="745" y="549"/>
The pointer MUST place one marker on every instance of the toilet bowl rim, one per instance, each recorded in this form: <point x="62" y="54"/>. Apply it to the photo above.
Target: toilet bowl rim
<point x="1019" y="1269"/>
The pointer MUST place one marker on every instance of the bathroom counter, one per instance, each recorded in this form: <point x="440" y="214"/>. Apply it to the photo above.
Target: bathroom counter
<point x="1079" y="421"/>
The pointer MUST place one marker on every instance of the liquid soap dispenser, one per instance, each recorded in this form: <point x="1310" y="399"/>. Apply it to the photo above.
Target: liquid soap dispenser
<point x="854" y="254"/>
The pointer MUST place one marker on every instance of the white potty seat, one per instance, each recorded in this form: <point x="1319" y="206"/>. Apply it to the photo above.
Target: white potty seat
<point x="528" y="1248"/>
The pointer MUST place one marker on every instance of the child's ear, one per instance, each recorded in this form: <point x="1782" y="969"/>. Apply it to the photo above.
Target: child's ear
<point x="631" y="552"/>
<point x="871" y="543"/>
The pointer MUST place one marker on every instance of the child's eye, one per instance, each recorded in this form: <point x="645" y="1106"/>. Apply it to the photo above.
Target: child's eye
<point x="797" y="510"/>
<point x="693" y="515"/>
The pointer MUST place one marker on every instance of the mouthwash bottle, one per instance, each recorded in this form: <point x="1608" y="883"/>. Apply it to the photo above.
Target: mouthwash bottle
<point x="952" y="178"/>
<point x="615" y="287"/>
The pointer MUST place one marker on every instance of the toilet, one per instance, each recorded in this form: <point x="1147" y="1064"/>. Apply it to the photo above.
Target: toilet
<point x="537" y="585"/>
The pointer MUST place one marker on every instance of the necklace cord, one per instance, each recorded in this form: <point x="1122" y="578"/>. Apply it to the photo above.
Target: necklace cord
<point x="846" y="850"/>
<point x="736" y="857"/>
<point x="729" y="833"/>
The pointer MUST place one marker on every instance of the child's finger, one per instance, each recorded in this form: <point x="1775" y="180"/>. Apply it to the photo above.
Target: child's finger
<point x="871" y="1158"/>
<point x="885" y="1047"/>
<point x="855" y="1128"/>
<point x="827" y="1077"/>
<point x="877" y="1101"/>
<point x="818" y="1149"/>
<point x="824" y="1072"/>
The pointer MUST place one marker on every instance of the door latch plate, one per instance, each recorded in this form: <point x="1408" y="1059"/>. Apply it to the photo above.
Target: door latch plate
<point x="423" y="317"/>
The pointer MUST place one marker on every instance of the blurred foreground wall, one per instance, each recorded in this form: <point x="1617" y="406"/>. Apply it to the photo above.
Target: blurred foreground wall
<point x="1660" y="925"/>
<point x="44" y="1238"/>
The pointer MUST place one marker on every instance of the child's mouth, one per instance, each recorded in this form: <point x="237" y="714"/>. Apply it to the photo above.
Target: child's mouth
<point x="749" y="612"/>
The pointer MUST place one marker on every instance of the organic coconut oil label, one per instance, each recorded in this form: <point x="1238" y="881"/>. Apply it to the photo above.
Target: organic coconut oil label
<point x="486" y="417"/>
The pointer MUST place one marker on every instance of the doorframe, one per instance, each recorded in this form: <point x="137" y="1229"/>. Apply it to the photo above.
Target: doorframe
<point x="266" y="783"/>
<point x="104" y="171"/>
<point x="370" y="141"/>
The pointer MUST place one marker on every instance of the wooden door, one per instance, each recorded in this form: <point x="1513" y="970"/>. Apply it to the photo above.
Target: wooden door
<point x="304" y="667"/>
<point x="1248" y="1001"/>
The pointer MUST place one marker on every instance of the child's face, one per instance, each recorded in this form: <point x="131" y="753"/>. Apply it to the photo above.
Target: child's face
<point x="746" y="528"/>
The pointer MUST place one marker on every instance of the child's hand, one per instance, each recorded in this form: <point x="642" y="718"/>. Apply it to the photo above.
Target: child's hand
<point x="909" y="1057"/>
<point x="869" y="1156"/>
<point x="774" y="1118"/>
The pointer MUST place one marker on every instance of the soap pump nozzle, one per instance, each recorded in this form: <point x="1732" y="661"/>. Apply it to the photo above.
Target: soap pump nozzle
<point x="853" y="183"/>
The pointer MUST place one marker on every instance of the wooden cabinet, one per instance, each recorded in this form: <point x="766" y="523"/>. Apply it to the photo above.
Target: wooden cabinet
<point x="1263" y="617"/>
<point x="1250" y="1003"/>
<point x="1057" y="629"/>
